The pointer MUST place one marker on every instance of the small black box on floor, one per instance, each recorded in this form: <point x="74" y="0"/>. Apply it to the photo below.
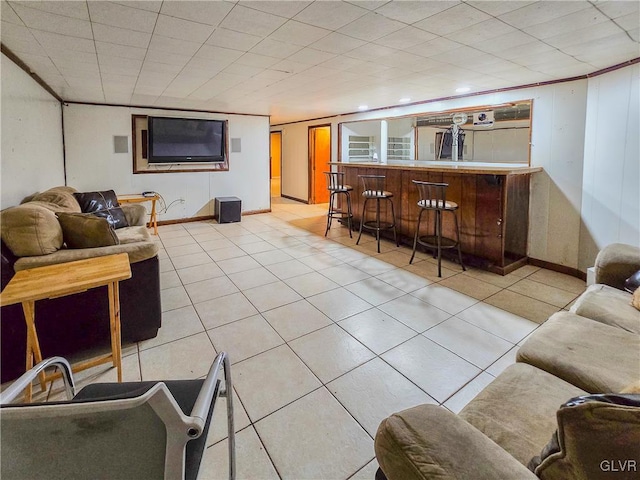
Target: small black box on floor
<point x="228" y="209"/>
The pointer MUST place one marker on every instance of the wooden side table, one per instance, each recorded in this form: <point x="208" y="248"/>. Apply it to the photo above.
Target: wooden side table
<point x="153" y="220"/>
<point x="62" y="279"/>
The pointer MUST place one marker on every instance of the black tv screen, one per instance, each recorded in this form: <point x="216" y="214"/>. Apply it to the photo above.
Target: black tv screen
<point x="183" y="140"/>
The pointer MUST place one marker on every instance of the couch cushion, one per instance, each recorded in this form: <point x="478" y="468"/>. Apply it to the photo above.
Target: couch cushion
<point x="103" y="204"/>
<point x="133" y="235"/>
<point x="61" y="197"/>
<point x="30" y="230"/>
<point x="608" y="305"/>
<point x="615" y="263"/>
<point x="84" y="230"/>
<point x="594" y="433"/>
<point x="429" y="442"/>
<point x="518" y="409"/>
<point x="591" y="355"/>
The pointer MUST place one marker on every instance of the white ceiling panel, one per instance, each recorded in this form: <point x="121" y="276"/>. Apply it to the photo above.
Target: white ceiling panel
<point x="305" y="59"/>
<point x="182" y="29"/>
<point x="247" y="20"/>
<point x="49" y="22"/>
<point x="122" y="16"/>
<point x="371" y="27"/>
<point x="211" y="13"/>
<point x="120" y="36"/>
<point x="222" y="37"/>
<point x="330" y="15"/>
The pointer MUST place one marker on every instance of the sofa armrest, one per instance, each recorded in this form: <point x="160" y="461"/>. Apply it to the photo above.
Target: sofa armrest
<point x="428" y="441"/>
<point x="135" y="213"/>
<point x="615" y="263"/>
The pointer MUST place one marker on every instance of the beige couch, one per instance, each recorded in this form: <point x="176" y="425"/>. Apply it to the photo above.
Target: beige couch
<point x="33" y="236"/>
<point x="517" y="421"/>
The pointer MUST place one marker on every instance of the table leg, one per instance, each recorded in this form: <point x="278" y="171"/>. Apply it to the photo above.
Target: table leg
<point x="153" y="219"/>
<point x="114" y="323"/>
<point x="33" y="346"/>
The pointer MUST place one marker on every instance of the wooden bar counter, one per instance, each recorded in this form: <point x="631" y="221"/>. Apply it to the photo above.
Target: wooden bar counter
<point x="493" y="204"/>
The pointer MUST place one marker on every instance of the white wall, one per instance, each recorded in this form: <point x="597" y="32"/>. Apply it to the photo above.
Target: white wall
<point x="611" y="191"/>
<point x="92" y="165"/>
<point x="32" y="158"/>
<point x="557" y="138"/>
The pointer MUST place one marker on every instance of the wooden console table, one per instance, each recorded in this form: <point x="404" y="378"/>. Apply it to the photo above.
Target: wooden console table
<point x="62" y="279"/>
<point x="135" y="198"/>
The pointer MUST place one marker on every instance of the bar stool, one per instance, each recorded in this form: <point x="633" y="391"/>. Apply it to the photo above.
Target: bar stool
<point x="336" y="186"/>
<point x="373" y="189"/>
<point x="433" y="196"/>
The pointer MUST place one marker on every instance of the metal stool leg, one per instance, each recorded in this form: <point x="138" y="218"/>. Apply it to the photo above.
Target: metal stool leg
<point x="378" y="223"/>
<point x="415" y="237"/>
<point x="393" y="217"/>
<point x="439" y="239"/>
<point x="455" y="217"/>
<point x="364" y="210"/>
<point x="349" y="214"/>
<point x="329" y="214"/>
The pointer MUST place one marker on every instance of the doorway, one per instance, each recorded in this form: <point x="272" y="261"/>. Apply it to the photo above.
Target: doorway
<point x="319" y="158"/>
<point x="275" y="167"/>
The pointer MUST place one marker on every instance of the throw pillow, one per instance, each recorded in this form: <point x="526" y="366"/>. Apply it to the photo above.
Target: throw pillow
<point x="85" y="230"/>
<point x="103" y="204"/>
<point x="63" y="199"/>
<point x="632" y="283"/>
<point x="30" y="230"/>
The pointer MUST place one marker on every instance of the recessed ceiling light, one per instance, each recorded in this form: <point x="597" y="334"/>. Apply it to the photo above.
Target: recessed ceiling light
<point x="405" y="100"/>
<point x="363" y="107"/>
<point x="462" y="89"/>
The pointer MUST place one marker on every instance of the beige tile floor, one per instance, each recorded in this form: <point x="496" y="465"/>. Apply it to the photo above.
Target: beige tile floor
<point x="327" y="338"/>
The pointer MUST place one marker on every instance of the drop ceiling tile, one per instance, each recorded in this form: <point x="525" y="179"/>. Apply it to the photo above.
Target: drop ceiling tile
<point x="65" y="8"/>
<point x="117" y="98"/>
<point x="211" y="13"/>
<point x="247" y="20"/>
<point x="242" y="70"/>
<point x="499" y="8"/>
<point x="405" y="38"/>
<point x="223" y="37"/>
<point x="122" y="16"/>
<point x="50" y="22"/>
<point x="367" y="68"/>
<point x="618" y="9"/>
<point x="120" y="36"/>
<point x="202" y="68"/>
<point x="138" y="99"/>
<point x="290" y="66"/>
<point x="182" y="29"/>
<point x="163" y="57"/>
<point x="149" y="5"/>
<point x="218" y="84"/>
<point x="54" y="41"/>
<point x="311" y="56"/>
<point x="84" y="82"/>
<point x="298" y="33"/>
<point x="482" y="32"/>
<point x="370" y="52"/>
<point x="629" y="22"/>
<point x="8" y="15"/>
<point x="585" y="18"/>
<point x="272" y="75"/>
<point x="173" y="45"/>
<point x="371" y="27"/>
<point x="584" y="35"/>
<point x="503" y="42"/>
<point x="80" y="59"/>
<point x="601" y="44"/>
<point x="104" y="48"/>
<point x="540" y="12"/>
<point x="149" y="90"/>
<point x="273" y="48"/>
<point x="117" y="81"/>
<point x="369" y="4"/>
<point x="517" y="52"/>
<point x="218" y="54"/>
<point x="39" y="63"/>
<point x="434" y="47"/>
<point x="283" y="9"/>
<point x="154" y="67"/>
<point x="13" y="31"/>
<point x="342" y="63"/>
<point x="413" y="11"/>
<point x="330" y="15"/>
<point x="23" y="46"/>
<point x="55" y="81"/>
<point x="337" y="43"/>
<point x="255" y="60"/>
<point x="119" y="65"/>
<point x="451" y="20"/>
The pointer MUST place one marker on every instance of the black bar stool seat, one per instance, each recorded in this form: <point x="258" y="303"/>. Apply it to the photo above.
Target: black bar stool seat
<point x="336" y="186"/>
<point x="373" y="189"/>
<point x="433" y="197"/>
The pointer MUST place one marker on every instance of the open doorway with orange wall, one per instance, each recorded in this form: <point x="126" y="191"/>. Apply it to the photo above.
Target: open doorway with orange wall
<point x="276" y="163"/>
<point x="319" y="158"/>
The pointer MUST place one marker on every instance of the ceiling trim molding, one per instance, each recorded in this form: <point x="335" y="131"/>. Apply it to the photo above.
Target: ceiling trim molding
<point x="173" y="109"/>
<point x="475" y="94"/>
<point x="15" y="59"/>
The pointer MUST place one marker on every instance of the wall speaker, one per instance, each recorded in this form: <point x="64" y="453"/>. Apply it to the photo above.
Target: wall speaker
<point x="236" y="145"/>
<point x="120" y="144"/>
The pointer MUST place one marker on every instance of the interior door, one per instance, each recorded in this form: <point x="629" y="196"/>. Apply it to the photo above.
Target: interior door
<point x="276" y="163"/>
<point x="319" y="158"/>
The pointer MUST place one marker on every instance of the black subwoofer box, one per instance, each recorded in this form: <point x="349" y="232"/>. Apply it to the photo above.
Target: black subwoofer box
<point x="228" y="209"/>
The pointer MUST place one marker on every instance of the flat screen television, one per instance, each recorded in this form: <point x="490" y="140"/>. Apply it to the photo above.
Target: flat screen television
<point x="185" y="140"/>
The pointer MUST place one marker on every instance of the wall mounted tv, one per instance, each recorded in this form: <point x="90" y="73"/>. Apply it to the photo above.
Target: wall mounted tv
<point x="186" y="140"/>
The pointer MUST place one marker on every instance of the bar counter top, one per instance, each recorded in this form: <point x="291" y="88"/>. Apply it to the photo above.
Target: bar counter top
<point x="478" y="168"/>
